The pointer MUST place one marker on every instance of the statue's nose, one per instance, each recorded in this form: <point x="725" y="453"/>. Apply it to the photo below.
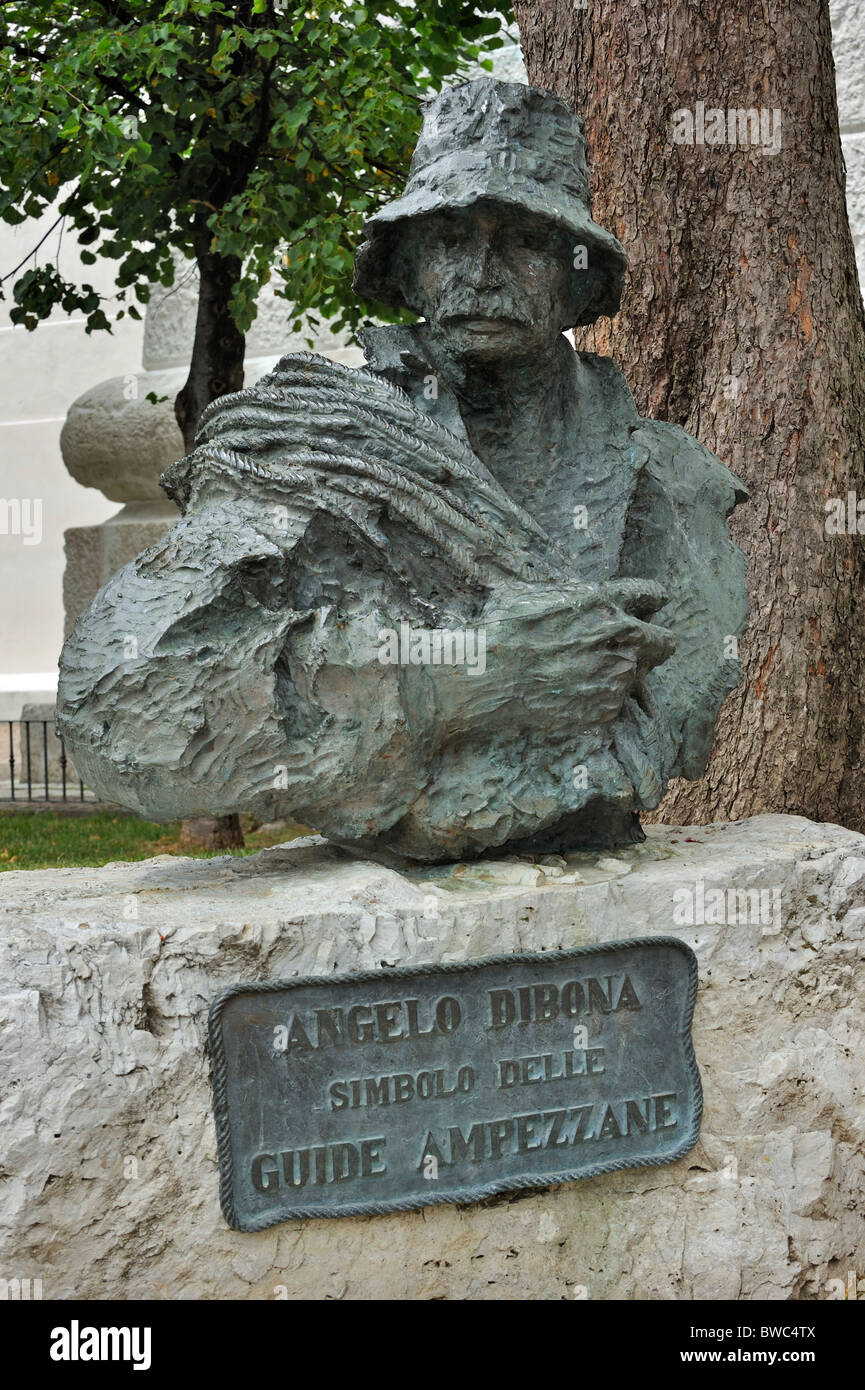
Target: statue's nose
<point x="483" y="268"/>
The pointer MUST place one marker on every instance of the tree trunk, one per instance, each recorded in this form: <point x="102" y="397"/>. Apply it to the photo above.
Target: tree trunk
<point x="216" y="368"/>
<point x="211" y="832"/>
<point x="743" y="323"/>
<point x="218" y="348"/>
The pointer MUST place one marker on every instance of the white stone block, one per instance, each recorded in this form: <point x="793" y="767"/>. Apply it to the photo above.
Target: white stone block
<point x="848" y="50"/>
<point x="106" y="1132"/>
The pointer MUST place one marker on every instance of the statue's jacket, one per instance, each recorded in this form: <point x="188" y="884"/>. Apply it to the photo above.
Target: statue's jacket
<point x="246" y="661"/>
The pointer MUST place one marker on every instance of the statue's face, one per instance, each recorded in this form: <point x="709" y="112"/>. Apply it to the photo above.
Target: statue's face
<point x="491" y="283"/>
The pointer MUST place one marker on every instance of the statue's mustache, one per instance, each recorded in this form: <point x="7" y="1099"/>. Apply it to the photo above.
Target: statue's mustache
<point x="459" y="310"/>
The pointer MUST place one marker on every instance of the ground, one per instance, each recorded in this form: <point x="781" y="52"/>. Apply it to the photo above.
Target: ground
<point x="31" y="839"/>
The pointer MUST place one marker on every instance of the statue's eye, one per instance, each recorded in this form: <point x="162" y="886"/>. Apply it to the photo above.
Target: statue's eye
<point x="452" y="236"/>
<point x="533" y="239"/>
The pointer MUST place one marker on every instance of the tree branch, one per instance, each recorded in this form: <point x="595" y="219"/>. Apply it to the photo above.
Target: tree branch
<point x="54" y="224"/>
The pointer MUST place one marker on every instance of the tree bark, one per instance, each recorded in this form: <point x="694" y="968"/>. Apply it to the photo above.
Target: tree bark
<point x="743" y="323"/>
<point x="218" y="348"/>
<point x="211" y="832"/>
<point x="215" y="369"/>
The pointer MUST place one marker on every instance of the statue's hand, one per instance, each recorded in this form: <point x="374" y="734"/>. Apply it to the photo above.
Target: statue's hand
<point x="574" y="650"/>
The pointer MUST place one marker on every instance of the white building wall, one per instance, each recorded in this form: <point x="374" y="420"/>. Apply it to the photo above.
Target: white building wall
<point x="848" y="42"/>
<point x="41" y="373"/>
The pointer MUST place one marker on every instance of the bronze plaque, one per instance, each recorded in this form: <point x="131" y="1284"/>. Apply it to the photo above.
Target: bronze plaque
<point x="395" y="1089"/>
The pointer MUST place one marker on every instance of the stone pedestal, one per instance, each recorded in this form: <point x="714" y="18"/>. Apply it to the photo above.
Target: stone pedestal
<point x="119" y="441"/>
<point x="93" y="553"/>
<point x="109" y="1162"/>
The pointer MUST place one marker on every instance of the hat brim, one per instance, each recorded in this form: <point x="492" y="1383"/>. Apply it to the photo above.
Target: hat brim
<point x="373" y="277"/>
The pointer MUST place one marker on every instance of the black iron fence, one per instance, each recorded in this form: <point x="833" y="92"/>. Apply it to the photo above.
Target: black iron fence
<point x="38" y="768"/>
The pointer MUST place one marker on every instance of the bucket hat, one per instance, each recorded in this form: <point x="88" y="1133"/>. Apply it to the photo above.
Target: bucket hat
<point x="506" y="142"/>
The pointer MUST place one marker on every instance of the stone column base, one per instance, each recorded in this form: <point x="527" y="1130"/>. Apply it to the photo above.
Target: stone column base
<point x="94" y="553"/>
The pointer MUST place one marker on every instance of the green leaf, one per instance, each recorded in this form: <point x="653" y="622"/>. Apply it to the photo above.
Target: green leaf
<point x="144" y="126"/>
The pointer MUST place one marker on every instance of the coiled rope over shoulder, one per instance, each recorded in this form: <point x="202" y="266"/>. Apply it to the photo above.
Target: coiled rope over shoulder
<point x="326" y="434"/>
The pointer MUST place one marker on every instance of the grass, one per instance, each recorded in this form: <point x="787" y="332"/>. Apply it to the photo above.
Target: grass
<point x="51" y="840"/>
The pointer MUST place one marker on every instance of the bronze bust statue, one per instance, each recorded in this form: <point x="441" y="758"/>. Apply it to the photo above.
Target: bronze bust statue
<point x="464" y="600"/>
